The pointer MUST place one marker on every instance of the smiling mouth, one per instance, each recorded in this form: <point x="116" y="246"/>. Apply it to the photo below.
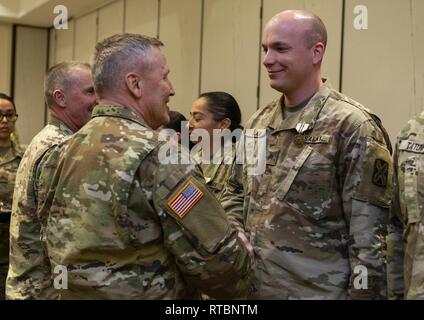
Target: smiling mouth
<point x="276" y="71"/>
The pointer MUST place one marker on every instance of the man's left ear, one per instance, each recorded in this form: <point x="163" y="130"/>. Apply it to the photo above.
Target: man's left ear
<point x="225" y="124"/>
<point x="318" y="52"/>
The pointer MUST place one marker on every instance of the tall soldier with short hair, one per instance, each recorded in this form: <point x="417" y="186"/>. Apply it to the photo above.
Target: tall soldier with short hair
<point x="317" y="216"/>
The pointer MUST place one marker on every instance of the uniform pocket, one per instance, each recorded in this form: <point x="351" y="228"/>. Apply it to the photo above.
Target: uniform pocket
<point x="308" y="184"/>
<point x="413" y="180"/>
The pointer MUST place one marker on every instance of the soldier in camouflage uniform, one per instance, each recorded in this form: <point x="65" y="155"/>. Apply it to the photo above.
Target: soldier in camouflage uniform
<point x="319" y="211"/>
<point x="122" y="223"/>
<point x="216" y="111"/>
<point x="10" y="156"/>
<point x="69" y="94"/>
<point x="408" y="206"/>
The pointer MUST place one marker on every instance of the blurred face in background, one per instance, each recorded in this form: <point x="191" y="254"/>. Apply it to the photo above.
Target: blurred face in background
<point x="202" y="118"/>
<point x="80" y="97"/>
<point x="8" y="119"/>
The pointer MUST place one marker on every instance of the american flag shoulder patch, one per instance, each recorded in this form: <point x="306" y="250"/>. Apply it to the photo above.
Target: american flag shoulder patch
<point x="185" y="199"/>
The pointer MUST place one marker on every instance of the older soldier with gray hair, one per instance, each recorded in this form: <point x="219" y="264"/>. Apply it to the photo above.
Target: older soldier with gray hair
<point x="70" y="97"/>
<point x="317" y="216"/>
<point x="123" y="224"/>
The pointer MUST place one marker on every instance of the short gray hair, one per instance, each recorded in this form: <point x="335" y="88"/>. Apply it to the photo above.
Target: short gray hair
<point x="115" y="55"/>
<point x="59" y="77"/>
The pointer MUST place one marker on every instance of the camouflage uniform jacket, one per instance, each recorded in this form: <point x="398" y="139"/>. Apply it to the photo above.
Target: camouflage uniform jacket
<point x="320" y="209"/>
<point x="409" y="202"/>
<point x="9" y="163"/>
<point x="217" y="173"/>
<point x="126" y="226"/>
<point x="29" y="270"/>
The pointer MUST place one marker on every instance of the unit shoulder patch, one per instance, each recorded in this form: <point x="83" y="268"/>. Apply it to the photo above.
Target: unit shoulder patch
<point x="380" y="173"/>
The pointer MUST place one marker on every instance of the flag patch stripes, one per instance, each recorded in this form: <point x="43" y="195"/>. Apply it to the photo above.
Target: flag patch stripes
<point x="185" y="199"/>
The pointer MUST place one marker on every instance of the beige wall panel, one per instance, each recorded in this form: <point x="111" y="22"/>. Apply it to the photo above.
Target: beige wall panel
<point x="31" y="60"/>
<point x="111" y="20"/>
<point x="65" y="43"/>
<point x="231" y="50"/>
<point x="85" y="37"/>
<point x="330" y="12"/>
<point x="378" y="68"/>
<point x="418" y="45"/>
<point x="6" y="31"/>
<point x="142" y="17"/>
<point x="52" y="47"/>
<point x="180" y="32"/>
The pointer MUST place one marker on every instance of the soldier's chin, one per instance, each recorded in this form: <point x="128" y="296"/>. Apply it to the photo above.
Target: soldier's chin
<point x="4" y="134"/>
<point x="276" y="85"/>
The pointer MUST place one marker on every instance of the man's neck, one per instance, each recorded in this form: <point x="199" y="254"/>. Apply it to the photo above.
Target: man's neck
<point x="5" y="143"/>
<point x="299" y="95"/>
<point x="122" y="100"/>
<point x="63" y="117"/>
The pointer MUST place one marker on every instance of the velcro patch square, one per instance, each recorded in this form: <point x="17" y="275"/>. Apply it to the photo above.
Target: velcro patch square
<point x="380" y="174"/>
<point x="185" y="199"/>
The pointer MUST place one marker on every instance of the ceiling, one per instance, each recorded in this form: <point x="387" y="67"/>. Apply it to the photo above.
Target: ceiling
<point x="41" y="12"/>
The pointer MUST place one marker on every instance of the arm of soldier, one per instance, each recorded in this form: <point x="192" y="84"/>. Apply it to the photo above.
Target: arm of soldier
<point x="365" y="171"/>
<point x="29" y="274"/>
<point x="196" y="230"/>
<point x="232" y="199"/>
<point x="395" y="249"/>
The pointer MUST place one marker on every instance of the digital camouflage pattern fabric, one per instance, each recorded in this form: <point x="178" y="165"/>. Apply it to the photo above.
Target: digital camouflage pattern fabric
<point x="9" y="162"/>
<point x="408" y="206"/>
<point x="29" y="271"/>
<point x="123" y="224"/>
<point x="321" y="207"/>
<point x="217" y="173"/>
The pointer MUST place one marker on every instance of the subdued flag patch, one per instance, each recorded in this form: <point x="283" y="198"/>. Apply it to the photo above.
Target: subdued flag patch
<point x="185" y="199"/>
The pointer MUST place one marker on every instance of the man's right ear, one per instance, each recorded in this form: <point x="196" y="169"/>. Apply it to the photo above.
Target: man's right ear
<point x="133" y="82"/>
<point x="59" y="98"/>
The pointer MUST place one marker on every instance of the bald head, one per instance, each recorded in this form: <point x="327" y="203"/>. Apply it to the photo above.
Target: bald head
<point x="294" y="45"/>
<point x="307" y="24"/>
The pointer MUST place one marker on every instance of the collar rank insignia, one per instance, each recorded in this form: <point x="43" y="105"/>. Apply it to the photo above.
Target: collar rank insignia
<point x="185" y="199"/>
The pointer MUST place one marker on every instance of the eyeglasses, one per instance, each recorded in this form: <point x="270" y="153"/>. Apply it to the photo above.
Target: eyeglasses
<point x="10" y="116"/>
